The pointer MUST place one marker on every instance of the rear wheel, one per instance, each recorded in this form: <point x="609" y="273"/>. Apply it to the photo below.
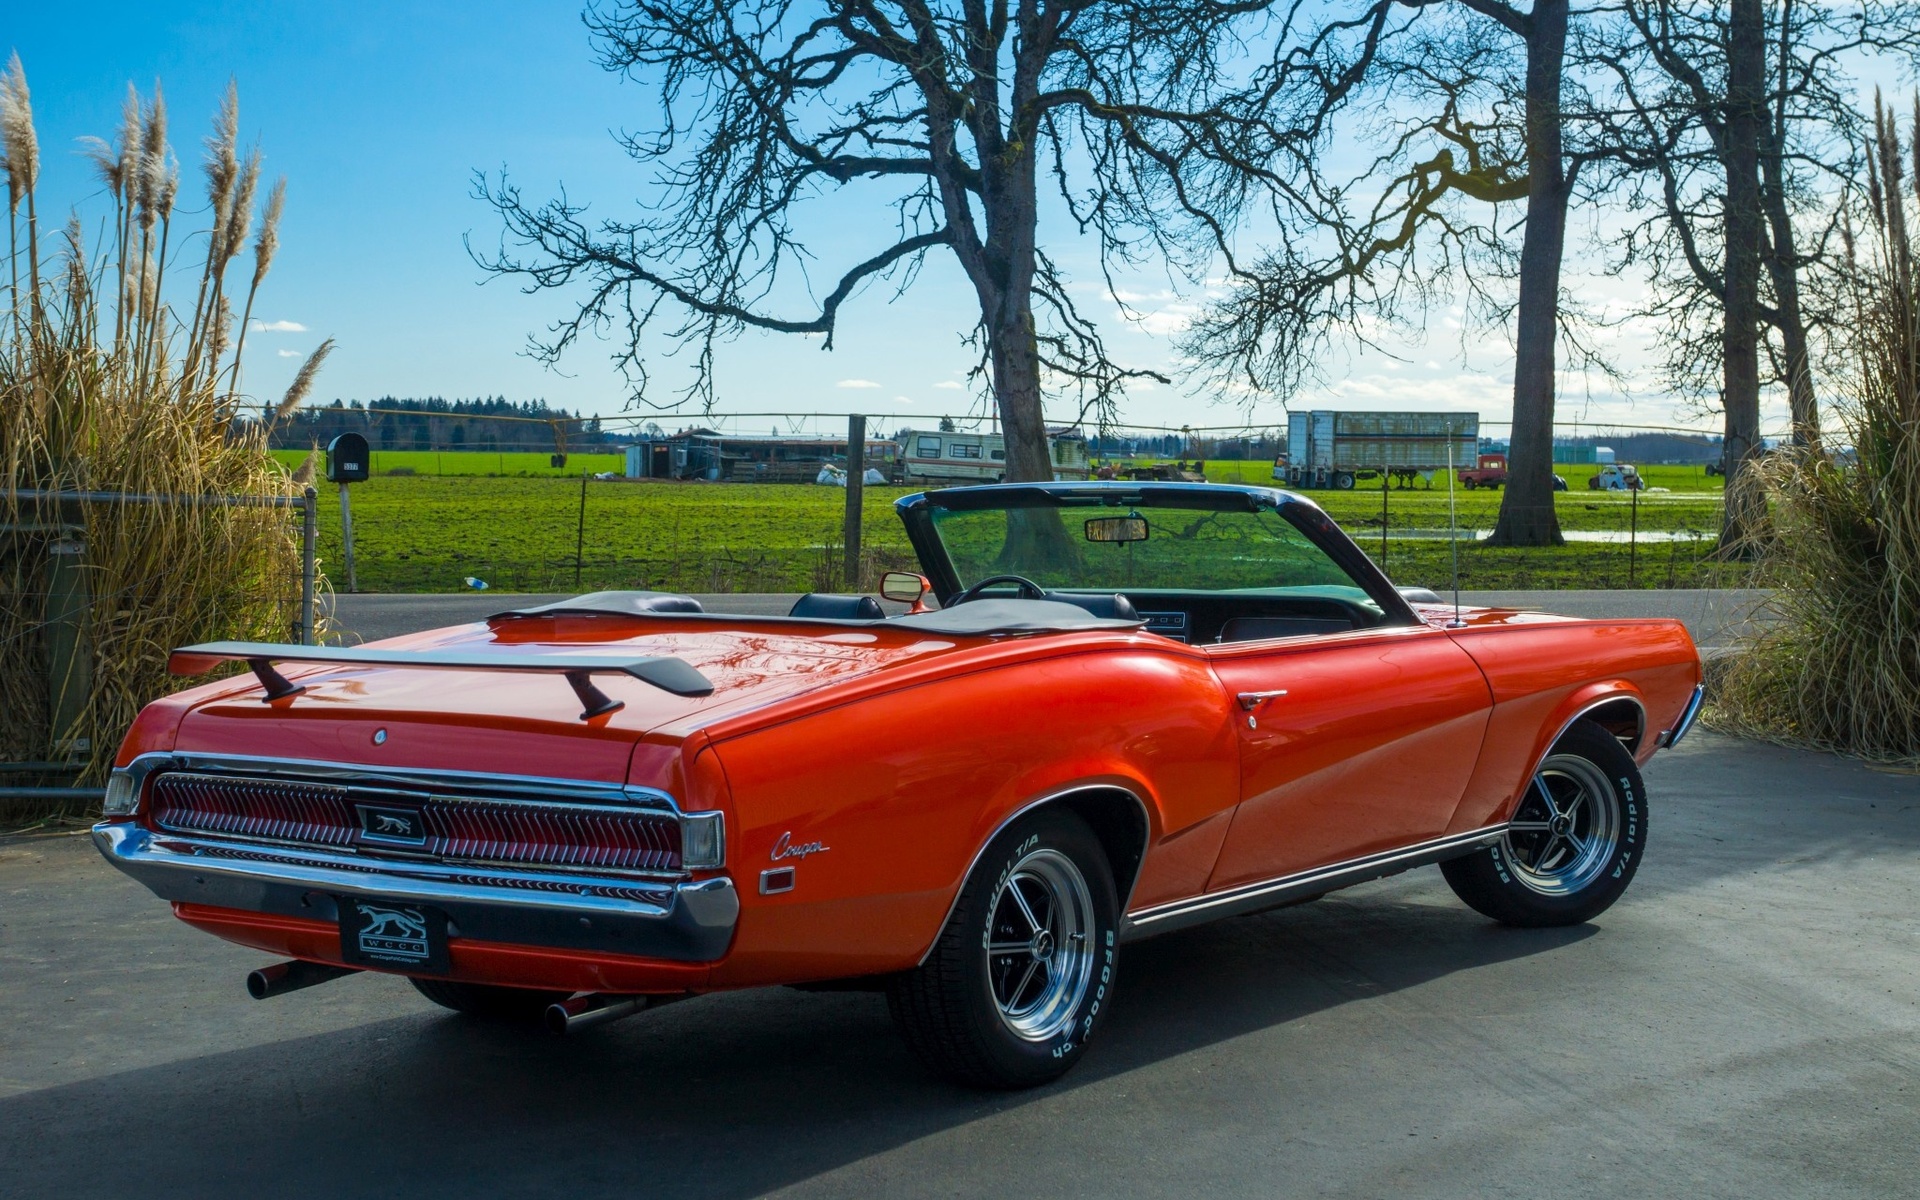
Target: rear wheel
<point x="1573" y="843"/>
<point x="1343" y="481"/>
<point x="1024" y="969"/>
<point x="488" y="1000"/>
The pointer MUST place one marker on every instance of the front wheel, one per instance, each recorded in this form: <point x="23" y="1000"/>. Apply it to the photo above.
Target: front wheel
<point x="1573" y="843"/>
<point x="1024" y="969"/>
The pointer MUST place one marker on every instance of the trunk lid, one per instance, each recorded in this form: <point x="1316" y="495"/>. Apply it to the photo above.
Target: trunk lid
<point x="529" y="724"/>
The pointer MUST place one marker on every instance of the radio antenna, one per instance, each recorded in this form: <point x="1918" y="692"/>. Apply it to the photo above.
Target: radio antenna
<point x="1453" y="529"/>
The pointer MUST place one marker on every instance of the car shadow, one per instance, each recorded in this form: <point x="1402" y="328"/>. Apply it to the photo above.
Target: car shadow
<point x="728" y="1095"/>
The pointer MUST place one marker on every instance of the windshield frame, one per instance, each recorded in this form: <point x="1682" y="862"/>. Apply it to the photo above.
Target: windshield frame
<point x="916" y="512"/>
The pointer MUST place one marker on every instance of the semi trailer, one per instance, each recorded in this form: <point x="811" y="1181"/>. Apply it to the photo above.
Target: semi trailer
<point x="1329" y="449"/>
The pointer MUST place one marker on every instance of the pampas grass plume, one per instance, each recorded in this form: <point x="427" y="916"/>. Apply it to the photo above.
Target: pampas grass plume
<point x="268" y="240"/>
<point x="241" y="214"/>
<point x="16" y="131"/>
<point x="303" y="382"/>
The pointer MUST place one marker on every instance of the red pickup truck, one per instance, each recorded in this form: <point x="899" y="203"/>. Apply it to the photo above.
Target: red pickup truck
<point x="1492" y="472"/>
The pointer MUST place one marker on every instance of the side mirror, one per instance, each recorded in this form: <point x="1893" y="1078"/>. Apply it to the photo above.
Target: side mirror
<point x="905" y="587"/>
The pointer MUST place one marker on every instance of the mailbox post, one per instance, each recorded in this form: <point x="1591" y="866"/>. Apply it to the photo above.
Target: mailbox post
<point x="348" y="462"/>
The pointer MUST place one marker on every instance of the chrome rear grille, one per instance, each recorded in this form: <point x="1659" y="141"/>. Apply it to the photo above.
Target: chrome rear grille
<point x="660" y="895"/>
<point x="451" y="828"/>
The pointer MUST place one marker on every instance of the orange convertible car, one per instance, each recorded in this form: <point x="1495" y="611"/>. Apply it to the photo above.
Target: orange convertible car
<point x="1139" y="706"/>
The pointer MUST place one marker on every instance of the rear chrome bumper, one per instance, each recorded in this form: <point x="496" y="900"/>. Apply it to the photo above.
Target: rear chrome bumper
<point x="683" y="922"/>
<point x="1687" y="715"/>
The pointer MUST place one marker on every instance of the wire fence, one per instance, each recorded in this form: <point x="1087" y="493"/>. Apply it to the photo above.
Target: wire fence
<point x="70" y="626"/>
<point x="553" y="535"/>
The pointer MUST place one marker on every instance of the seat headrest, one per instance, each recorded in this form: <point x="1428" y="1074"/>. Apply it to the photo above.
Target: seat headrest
<point x="820" y="606"/>
<point x="1112" y="605"/>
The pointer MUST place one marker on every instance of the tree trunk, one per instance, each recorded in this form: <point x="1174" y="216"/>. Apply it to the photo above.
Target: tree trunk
<point x="1527" y="517"/>
<point x="1804" y="404"/>
<point x="1015" y="357"/>
<point x="1783" y="267"/>
<point x="1740" y="332"/>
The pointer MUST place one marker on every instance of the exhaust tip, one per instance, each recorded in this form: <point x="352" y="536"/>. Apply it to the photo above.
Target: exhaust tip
<point x="291" y="976"/>
<point x="594" y="1008"/>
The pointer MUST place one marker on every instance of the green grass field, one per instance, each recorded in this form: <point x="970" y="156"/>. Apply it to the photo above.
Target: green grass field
<point x="427" y="533"/>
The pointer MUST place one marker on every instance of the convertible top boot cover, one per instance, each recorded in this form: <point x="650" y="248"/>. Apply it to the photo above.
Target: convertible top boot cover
<point x="613" y="604"/>
<point x="981" y="617"/>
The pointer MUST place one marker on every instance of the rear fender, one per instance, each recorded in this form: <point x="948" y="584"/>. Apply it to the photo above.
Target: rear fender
<point x="853" y="828"/>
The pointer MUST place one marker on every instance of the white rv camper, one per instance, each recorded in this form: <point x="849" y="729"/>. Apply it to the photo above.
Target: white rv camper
<point x="939" y="456"/>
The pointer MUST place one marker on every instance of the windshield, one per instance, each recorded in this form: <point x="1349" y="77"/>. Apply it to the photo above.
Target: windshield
<point x="1138" y="545"/>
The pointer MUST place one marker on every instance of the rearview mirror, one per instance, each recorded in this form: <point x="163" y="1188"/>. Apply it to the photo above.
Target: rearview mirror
<point x="904" y="587"/>
<point x="1117" y="529"/>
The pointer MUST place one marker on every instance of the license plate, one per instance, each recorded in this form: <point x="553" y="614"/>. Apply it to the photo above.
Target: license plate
<point x="393" y="934"/>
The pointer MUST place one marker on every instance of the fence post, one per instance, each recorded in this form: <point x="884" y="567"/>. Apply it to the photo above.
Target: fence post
<point x="1385" y="479"/>
<point x="1633" y="539"/>
<point x="309" y="521"/>
<point x="346" y="538"/>
<point x="69" y="653"/>
<point x="580" y="532"/>
<point x="856" y="484"/>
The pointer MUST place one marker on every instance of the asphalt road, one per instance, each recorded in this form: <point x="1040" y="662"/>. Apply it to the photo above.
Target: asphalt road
<point x="1743" y="1024"/>
<point x="1712" y="616"/>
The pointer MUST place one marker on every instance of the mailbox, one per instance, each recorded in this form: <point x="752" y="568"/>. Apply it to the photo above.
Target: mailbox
<point x="347" y="459"/>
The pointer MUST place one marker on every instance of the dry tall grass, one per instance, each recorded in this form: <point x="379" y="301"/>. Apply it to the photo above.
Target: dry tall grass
<point x="106" y="387"/>
<point x="1842" y="669"/>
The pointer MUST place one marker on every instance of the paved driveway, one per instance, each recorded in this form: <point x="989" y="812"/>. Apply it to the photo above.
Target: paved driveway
<point x="1744" y="1023"/>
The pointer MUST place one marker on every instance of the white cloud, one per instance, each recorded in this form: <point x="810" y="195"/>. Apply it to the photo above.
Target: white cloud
<point x="1162" y="322"/>
<point x="288" y="353"/>
<point x="902" y="400"/>
<point x="857" y="383"/>
<point x="950" y="385"/>
<point x="278" y="327"/>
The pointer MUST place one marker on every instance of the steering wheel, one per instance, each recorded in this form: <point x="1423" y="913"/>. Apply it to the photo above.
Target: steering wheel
<point x="1029" y="590"/>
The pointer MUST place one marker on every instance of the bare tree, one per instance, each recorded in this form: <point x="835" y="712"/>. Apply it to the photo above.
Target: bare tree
<point x="1738" y="126"/>
<point x="1153" y="122"/>
<point x="1474" y="96"/>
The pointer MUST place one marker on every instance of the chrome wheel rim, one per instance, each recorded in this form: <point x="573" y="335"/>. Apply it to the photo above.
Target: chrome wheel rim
<point x="1566" y="829"/>
<point x="1038" y="944"/>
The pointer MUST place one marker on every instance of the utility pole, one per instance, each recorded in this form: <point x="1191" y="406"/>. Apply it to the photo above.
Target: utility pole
<point x="856" y="484"/>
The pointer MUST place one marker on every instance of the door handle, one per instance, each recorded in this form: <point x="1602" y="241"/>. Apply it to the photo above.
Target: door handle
<point x="1253" y="700"/>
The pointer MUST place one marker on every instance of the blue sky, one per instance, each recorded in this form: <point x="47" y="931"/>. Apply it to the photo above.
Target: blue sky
<point x="379" y="115"/>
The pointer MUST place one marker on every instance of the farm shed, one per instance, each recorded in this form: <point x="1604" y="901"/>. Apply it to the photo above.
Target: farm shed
<point x="706" y="454"/>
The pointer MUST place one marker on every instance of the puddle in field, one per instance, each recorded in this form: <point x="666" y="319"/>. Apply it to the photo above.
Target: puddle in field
<point x="1619" y="536"/>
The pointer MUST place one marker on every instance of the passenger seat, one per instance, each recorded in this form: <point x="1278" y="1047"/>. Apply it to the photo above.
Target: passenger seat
<point x="1259" y="629"/>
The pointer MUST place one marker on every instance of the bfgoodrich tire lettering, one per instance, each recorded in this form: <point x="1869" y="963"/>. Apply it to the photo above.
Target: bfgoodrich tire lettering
<point x="1023" y="973"/>
<point x="1573" y="844"/>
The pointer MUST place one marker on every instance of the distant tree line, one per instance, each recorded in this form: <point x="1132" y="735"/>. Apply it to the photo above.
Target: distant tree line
<point x="491" y="424"/>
